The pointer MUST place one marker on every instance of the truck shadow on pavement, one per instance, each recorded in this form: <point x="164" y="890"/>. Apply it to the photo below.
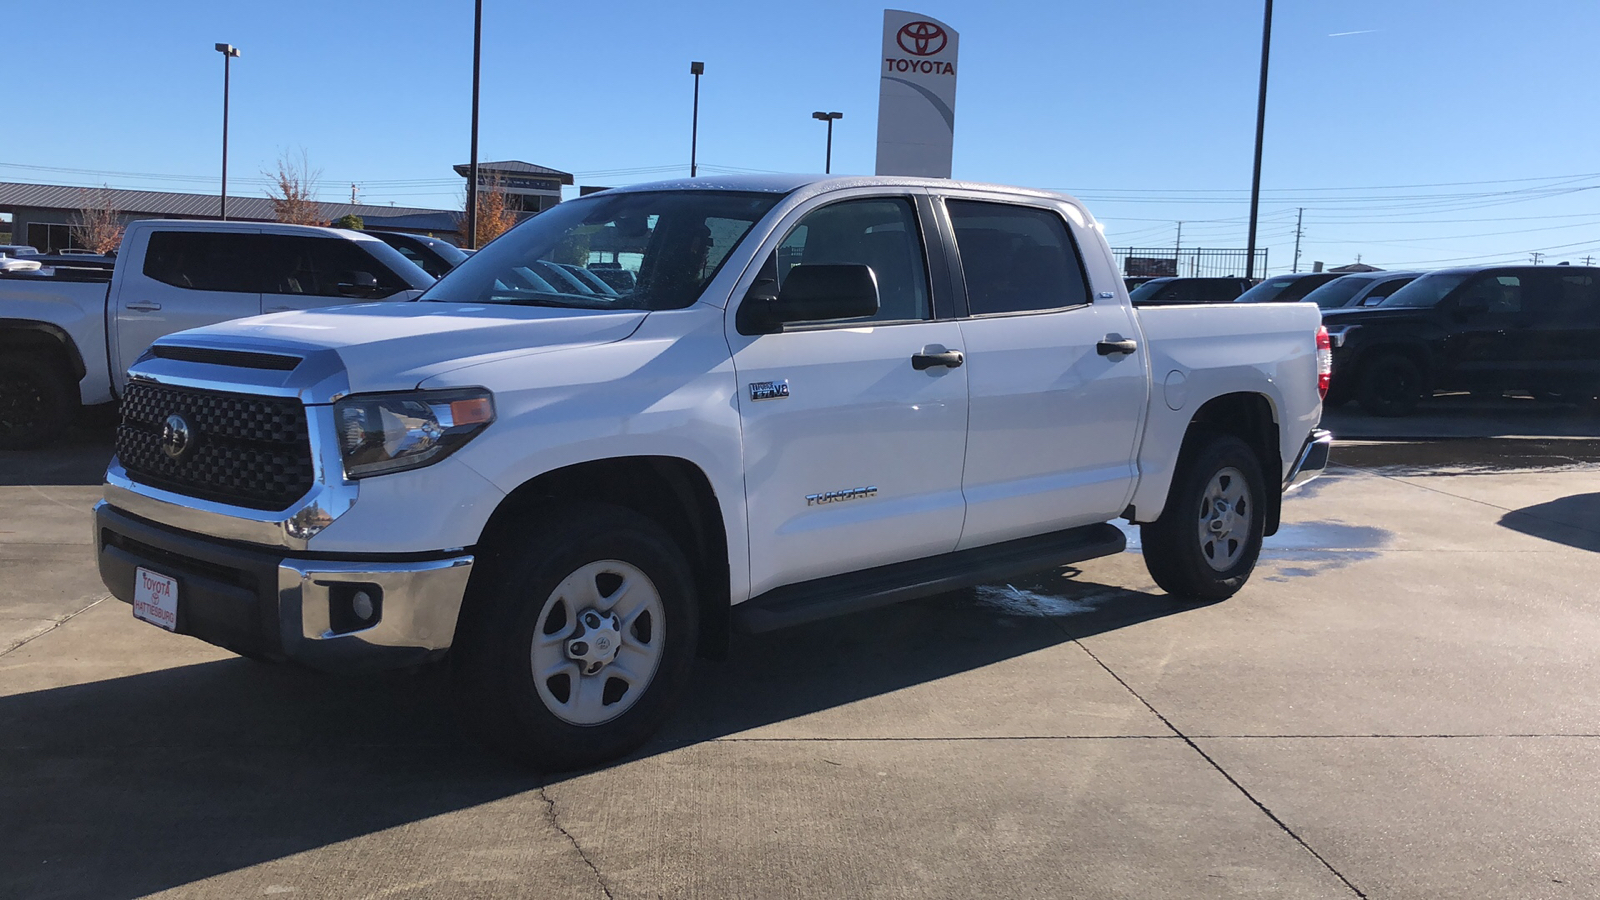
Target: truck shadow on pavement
<point x="79" y="456"/>
<point x="1573" y="520"/>
<point x="132" y="785"/>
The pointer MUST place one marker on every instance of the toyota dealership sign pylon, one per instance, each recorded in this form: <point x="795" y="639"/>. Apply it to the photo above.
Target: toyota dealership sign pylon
<point x="916" y="95"/>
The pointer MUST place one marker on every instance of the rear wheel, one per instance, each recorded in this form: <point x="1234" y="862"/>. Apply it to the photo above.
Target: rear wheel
<point x="1390" y="386"/>
<point x="37" y="401"/>
<point x="578" y="640"/>
<point x="1206" y="542"/>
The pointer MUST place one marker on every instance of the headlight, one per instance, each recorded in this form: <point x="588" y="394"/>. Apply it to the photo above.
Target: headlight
<point x="381" y="433"/>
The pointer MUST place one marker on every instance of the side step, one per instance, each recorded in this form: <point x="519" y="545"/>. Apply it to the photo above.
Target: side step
<point x="822" y="598"/>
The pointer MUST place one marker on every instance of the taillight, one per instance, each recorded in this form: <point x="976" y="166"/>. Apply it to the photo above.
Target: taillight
<point x="1324" y="361"/>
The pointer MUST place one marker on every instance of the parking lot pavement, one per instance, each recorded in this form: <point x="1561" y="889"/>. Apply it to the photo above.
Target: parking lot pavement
<point x="1400" y="704"/>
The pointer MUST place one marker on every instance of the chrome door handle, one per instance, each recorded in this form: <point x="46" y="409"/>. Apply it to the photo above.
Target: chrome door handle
<point x="950" y="359"/>
<point x="279" y="309"/>
<point x="1108" y="346"/>
<point x="143" y="307"/>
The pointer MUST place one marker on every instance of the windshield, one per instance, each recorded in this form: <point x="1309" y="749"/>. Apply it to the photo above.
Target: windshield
<point x="1266" y="291"/>
<point x="646" y="250"/>
<point x="1337" y="292"/>
<point x="1145" y="291"/>
<point x="1427" y="290"/>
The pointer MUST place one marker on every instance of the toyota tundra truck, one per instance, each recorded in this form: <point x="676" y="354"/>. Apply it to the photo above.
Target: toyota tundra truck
<point x="812" y="396"/>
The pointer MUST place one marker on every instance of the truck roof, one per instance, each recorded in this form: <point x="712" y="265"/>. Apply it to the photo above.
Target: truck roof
<point x="787" y="183"/>
<point x="263" y="227"/>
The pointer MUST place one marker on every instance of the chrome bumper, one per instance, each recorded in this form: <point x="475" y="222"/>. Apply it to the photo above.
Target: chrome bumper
<point x="253" y="599"/>
<point x="1312" y="460"/>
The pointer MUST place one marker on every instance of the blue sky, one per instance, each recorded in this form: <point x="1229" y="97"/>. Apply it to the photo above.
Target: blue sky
<point x="1413" y="133"/>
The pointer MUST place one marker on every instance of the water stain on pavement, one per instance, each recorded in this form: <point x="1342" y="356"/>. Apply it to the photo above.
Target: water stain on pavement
<point x="1467" y="456"/>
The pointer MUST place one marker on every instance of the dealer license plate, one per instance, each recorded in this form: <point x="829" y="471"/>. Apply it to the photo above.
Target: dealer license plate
<point x="155" y="598"/>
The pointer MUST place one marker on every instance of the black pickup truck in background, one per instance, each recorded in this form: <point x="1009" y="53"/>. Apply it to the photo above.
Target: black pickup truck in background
<point x="1485" y="330"/>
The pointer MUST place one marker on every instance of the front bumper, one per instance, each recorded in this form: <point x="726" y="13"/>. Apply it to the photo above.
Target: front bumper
<point x="1312" y="460"/>
<point x="255" y="600"/>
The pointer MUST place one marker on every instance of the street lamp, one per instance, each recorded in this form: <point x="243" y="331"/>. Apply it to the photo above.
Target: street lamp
<point x="1261" y="119"/>
<point x="827" y="166"/>
<point x="696" y="69"/>
<point x="472" y="164"/>
<point x="228" y="52"/>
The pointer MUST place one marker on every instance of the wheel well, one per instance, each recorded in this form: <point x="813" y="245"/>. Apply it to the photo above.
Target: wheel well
<point x="1249" y="418"/>
<point x="1414" y="352"/>
<point x="23" y="336"/>
<point x="672" y="492"/>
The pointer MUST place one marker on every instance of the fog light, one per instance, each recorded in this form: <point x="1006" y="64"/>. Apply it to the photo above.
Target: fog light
<point x="361" y="605"/>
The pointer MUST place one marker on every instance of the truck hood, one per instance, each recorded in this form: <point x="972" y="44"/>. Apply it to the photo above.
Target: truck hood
<point x="396" y="346"/>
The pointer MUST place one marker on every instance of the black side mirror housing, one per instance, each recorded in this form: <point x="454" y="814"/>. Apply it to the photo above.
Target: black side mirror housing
<point x="811" y="293"/>
<point x="358" y="285"/>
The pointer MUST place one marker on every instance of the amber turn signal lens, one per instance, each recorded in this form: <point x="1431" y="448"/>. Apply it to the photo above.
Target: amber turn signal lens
<point x="472" y="411"/>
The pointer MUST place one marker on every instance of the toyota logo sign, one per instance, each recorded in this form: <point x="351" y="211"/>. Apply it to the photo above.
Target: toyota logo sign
<point x="175" y="438"/>
<point x="921" y="38"/>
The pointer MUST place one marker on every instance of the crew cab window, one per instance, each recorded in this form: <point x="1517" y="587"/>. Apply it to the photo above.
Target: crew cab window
<point x="316" y="267"/>
<point x="880" y="233"/>
<point x="205" y="261"/>
<point x="1016" y="258"/>
<point x="1571" y="300"/>
<point x="1495" y="293"/>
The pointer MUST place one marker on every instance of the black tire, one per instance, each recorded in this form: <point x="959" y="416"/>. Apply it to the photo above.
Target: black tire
<point x="37" y="401"/>
<point x="493" y="658"/>
<point x="1174" y="551"/>
<point x="1390" y="386"/>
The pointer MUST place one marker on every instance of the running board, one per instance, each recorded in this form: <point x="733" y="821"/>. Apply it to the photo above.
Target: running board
<point x="822" y="598"/>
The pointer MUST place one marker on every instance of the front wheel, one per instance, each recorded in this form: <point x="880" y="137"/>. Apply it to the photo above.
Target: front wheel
<point x="578" y="639"/>
<point x="1390" y="386"/>
<point x="1206" y="542"/>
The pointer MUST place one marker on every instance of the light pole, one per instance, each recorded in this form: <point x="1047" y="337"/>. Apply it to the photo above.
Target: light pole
<point x="228" y="52"/>
<point x="696" y="69"/>
<point x="827" y="165"/>
<point x="472" y="165"/>
<point x="1261" y="119"/>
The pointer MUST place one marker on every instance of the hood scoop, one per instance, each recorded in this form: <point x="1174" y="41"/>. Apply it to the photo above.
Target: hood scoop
<point x="238" y="359"/>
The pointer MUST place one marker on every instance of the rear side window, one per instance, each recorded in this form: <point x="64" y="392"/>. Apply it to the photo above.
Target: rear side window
<point x="205" y="261"/>
<point x="1016" y="258"/>
<point x="316" y="266"/>
<point x="1569" y="300"/>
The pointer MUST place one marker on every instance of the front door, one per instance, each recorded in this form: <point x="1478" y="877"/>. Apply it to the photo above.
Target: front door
<point x="852" y="454"/>
<point x="189" y="279"/>
<point x="1053" y="420"/>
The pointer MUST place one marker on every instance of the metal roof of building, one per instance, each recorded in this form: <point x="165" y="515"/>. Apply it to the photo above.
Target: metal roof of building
<point x="163" y="203"/>
<point x="515" y="167"/>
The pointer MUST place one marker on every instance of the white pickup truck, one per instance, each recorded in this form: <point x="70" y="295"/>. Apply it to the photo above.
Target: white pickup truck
<point x="66" y="342"/>
<point x="809" y="397"/>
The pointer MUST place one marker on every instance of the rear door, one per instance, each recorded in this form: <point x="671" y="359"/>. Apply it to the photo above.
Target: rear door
<point x="187" y="279"/>
<point x="852" y="453"/>
<point x="1053" y="419"/>
<point x="305" y="272"/>
<point x="1558" y="344"/>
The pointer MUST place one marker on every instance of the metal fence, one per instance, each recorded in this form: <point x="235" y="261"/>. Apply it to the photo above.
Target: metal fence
<point x="1189" y="262"/>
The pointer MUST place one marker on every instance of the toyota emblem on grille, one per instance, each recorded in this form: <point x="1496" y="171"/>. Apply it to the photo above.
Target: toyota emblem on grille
<point x="175" y="437"/>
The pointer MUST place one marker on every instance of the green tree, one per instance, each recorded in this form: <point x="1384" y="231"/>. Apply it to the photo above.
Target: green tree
<point x="348" y="220"/>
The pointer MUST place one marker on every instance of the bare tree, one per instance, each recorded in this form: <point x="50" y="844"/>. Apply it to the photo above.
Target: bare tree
<point x="495" y="215"/>
<point x="294" y="191"/>
<point x="97" y="224"/>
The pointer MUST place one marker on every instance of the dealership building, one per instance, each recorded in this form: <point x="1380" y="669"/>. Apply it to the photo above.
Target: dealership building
<point x="43" y="214"/>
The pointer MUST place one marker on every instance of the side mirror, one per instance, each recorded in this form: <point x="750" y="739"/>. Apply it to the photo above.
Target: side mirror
<point x="359" y="285"/>
<point x="811" y="293"/>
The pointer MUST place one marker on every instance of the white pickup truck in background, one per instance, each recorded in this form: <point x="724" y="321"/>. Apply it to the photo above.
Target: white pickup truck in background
<point x="66" y="342"/>
<point x="811" y="396"/>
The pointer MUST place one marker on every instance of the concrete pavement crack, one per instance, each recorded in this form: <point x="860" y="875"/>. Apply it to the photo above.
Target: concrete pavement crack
<point x="54" y="625"/>
<point x="1224" y="773"/>
<point x="550" y="808"/>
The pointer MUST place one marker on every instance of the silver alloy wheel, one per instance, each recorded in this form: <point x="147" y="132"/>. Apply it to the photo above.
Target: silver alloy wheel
<point x="1225" y="516"/>
<point x="598" y="642"/>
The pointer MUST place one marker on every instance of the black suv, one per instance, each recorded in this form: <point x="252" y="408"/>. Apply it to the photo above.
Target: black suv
<point x="1488" y="329"/>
